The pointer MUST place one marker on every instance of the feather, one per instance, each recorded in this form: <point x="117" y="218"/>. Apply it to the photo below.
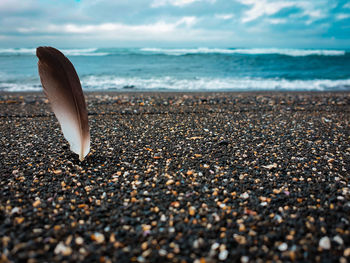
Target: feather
<point x="62" y="87"/>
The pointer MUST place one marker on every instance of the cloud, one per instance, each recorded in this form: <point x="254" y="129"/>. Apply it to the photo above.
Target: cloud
<point x="111" y="34"/>
<point x="342" y="16"/>
<point x="276" y="21"/>
<point x="267" y="8"/>
<point x="72" y="23"/>
<point x="180" y="3"/>
<point x="15" y="6"/>
<point x="159" y="3"/>
<point x="155" y="28"/>
<point x="262" y="7"/>
<point x="224" y="16"/>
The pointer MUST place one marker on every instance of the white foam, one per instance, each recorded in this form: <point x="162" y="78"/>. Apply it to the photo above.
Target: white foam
<point x="67" y="52"/>
<point x="83" y="52"/>
<point x="253" y="51"/>
<point x="106" y="83"/>
<point x="185" y="51"/>
<point x="10" y="51"/>
<point x="212" y="84"/>
<point x="19" y="87"/>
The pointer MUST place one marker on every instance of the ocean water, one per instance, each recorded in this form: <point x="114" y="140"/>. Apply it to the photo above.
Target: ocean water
<point x="196" y="69"/>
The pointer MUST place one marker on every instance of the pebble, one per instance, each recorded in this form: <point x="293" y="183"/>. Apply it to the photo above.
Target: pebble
<point x="223" y="255"/>
<point x="325" y="243"/>
<point x="98" y="237"/>
<point x="283" y="247"/>
<point x="338" y="239"/>
<point x="15" y="210"/>
<point x="37" y="203"/>
<point x="79" y="240"/>
<point x="61" y="248"/>
<point x="192" y="210"/>
<point x="215" y="246"/>
<point x="244" y="259"/>
<point x="245" y="195"/>
<point x="270" y="166"/>
<point x="347" y="252"/>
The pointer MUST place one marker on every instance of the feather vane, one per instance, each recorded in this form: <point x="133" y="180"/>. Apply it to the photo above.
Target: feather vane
<point x="63" y="89"/>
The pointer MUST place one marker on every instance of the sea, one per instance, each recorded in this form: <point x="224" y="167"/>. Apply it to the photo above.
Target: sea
<point x="187" y="69"/>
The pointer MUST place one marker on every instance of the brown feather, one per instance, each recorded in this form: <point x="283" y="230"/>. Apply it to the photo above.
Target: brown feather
<point x="62" y="87"/>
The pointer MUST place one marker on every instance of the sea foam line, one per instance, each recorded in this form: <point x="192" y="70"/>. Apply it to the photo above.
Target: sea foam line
<point x="208" y="84"/>
<point x="67" y="52"/>
<point x="253" y="51"/>
<point x="106" y="83"/>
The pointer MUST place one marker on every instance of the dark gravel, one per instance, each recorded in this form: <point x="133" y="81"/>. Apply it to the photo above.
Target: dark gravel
<point x="180" y="178"/>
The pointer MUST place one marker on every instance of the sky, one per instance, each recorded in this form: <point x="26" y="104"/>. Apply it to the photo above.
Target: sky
<point x="175" y="23"/>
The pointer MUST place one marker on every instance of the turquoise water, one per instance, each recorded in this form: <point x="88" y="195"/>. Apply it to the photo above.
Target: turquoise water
<point x="199" y="69"/>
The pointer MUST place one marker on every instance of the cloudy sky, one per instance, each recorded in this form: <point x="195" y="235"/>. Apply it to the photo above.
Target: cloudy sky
<point x="175" y="23"/>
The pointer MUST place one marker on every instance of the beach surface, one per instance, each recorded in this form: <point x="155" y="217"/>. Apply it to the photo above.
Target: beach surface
<point x="178" y="177"/>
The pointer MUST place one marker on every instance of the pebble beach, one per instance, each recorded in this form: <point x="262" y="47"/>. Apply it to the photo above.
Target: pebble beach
<point x="178" y="177"/>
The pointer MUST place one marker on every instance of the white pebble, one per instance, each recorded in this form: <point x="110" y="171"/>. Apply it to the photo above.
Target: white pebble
<point x="79" y="240"/>
<point x="244" y="259"/>
<point x="338" y="239"/>
<point x="223" y="254"/>
<point x="98" y="237"/>
<point x="215" y="246"/>
<point x="141" y="259"/>
<point x="325" y="243"/>
<point x="62" y="249"/>
<point x="245" y="195"/>
<point x="15" y="210"/>
<point x="283" y="247"/>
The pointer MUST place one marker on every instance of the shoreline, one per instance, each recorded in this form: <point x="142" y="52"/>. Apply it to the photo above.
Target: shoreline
<point x="189" y="92"/>
<point x="178" y="177"/>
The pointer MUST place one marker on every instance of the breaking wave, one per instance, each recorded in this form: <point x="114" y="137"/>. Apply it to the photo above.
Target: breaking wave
<point x="253" y="51"/>
<point x="180" y="52"/>
<point x="112" y="83"/>
<point x="67" y="52"/>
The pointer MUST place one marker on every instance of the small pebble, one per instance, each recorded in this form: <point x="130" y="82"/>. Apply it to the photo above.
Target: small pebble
<point x="325" y="243"/>
<point x="339" y="240"/>
<point x="215" y="246"/>
<point x="37" y="203"/>
<point x="283" y="247"/>
<point x="15" y="210"/>
<point x="244" y="259"/>
<point x="223" y="255"/>
<point x="61" y="248"/>
<point x="192" y="210"/>
<point x="245" y="195"/>
<point x="79" y="240"/>
<point x="98" y="237"/>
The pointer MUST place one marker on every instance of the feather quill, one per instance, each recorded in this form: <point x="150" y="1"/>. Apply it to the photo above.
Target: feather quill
<point x="63" y="89"/>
